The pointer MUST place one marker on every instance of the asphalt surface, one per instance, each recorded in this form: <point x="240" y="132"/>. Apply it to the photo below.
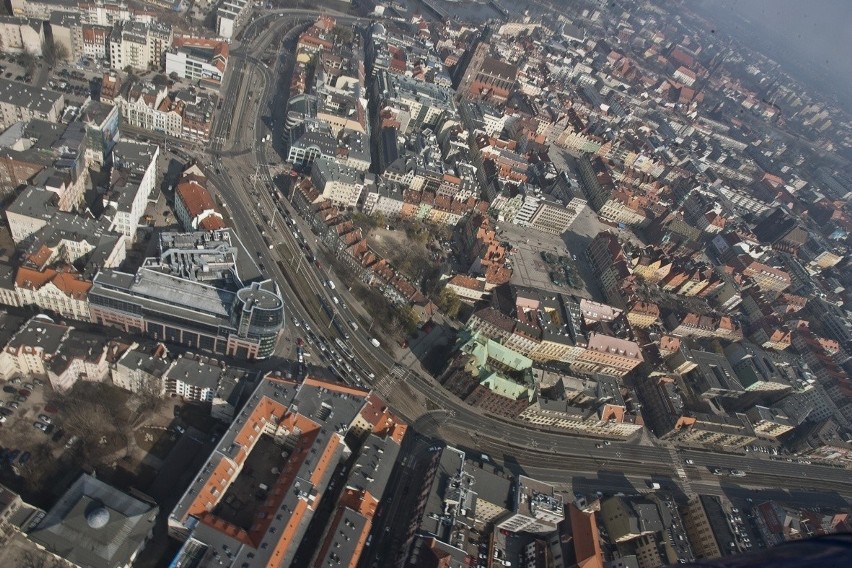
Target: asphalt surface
<point x="254" y="93"/>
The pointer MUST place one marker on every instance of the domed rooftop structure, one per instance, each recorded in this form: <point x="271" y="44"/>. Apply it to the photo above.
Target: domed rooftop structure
<point x="98" y="516"/>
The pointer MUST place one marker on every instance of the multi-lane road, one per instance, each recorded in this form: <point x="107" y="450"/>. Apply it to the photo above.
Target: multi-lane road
<point x="238" y="147"/>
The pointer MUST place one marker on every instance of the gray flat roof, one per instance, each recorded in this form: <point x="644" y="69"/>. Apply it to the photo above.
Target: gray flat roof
<point x="34" y="98"/>
<point x="34" y="202"/>
<point x="94" y="524"/>
<point x="41" y="332"/>
<point x="198" y="372"/>
<point x="163" y="293"/>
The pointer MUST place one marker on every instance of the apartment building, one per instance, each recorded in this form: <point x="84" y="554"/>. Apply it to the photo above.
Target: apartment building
<point x="287" y="419"/>
<point x="138" y="45"/>
<point x="230" y="14"/>
<point x="22" y="102"/>
<point x="96" y="41"/>
<point x="642" y="314"/>
<point x="67" y="31"/>
<point x="21" y="35"/>
<point x="141" y="370"/>
<point x="62" y="292"/>
<point x="147" y="105"/>
<point x="193" y="378"/>
<point x="134" y="175"/>
<point x="536" y="508"/>
<point x="29" y="351"/>
<point x="727" y="431"/>
<point x="706" y="526"/>
<point x="81" y="357"/>
<point x="608" y="355"/>
<point x="338" y="183"/>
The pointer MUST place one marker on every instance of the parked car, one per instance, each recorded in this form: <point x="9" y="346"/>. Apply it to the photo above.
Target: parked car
<point x="45" y="418"/>
<point x="40" y="426"/>
<point x="9" y="388"/>
<point x="25" y="457"/>
<point x="13" y="455"/>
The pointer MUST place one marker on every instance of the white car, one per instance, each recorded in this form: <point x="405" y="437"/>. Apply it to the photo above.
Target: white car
<point x="690" y="462"/>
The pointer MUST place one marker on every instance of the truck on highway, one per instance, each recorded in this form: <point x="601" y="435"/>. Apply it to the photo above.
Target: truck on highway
<point x="375" y="342"/>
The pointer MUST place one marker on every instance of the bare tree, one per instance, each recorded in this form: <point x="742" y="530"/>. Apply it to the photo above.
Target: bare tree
<point x="40" y="559"/>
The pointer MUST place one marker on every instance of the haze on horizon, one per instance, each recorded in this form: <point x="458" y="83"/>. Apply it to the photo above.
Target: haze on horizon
<point x="812" y="39"/>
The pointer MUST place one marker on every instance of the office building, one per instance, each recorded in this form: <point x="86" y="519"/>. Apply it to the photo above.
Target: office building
<point x="204" y="292"/>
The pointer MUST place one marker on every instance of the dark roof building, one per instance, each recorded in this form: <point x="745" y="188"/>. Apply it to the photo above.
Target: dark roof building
<point x="96" y="525"/>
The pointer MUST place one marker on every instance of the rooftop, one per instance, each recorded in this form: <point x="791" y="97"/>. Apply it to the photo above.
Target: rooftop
<point x="94" y="524"/>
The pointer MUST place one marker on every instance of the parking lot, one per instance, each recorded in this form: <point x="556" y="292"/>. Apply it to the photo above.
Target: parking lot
<point x="75" y="84"/>
<point x="19" y="67"/>
<point x="31" y="433"/>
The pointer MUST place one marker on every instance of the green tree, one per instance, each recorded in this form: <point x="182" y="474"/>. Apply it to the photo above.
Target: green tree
<point x="449" y="302"/>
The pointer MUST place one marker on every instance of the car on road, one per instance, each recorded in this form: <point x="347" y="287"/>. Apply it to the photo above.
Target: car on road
<point x="716" y="471"/>
<point x="737" y="473"/>
<point x="690" y="462"/>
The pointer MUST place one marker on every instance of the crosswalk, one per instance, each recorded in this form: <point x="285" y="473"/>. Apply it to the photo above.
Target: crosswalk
<point x="681" y="472"/>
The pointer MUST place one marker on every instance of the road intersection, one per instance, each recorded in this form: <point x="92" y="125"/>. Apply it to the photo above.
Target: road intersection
<point x="243" y="179"/>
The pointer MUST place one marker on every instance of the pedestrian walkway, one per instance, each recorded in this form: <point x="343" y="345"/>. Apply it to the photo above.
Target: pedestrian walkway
<point x="677" y="462"/>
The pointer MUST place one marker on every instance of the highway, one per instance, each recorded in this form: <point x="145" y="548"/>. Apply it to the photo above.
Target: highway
<point x="248" y="191"/>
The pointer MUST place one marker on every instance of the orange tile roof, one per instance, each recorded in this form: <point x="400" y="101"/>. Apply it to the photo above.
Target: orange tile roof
<point x="211" y="223"/>
<point x="195" y="197"/>
<point x="587" y="544"/>
<point x="41" y="256"/>
<point x="66" y="282"/>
